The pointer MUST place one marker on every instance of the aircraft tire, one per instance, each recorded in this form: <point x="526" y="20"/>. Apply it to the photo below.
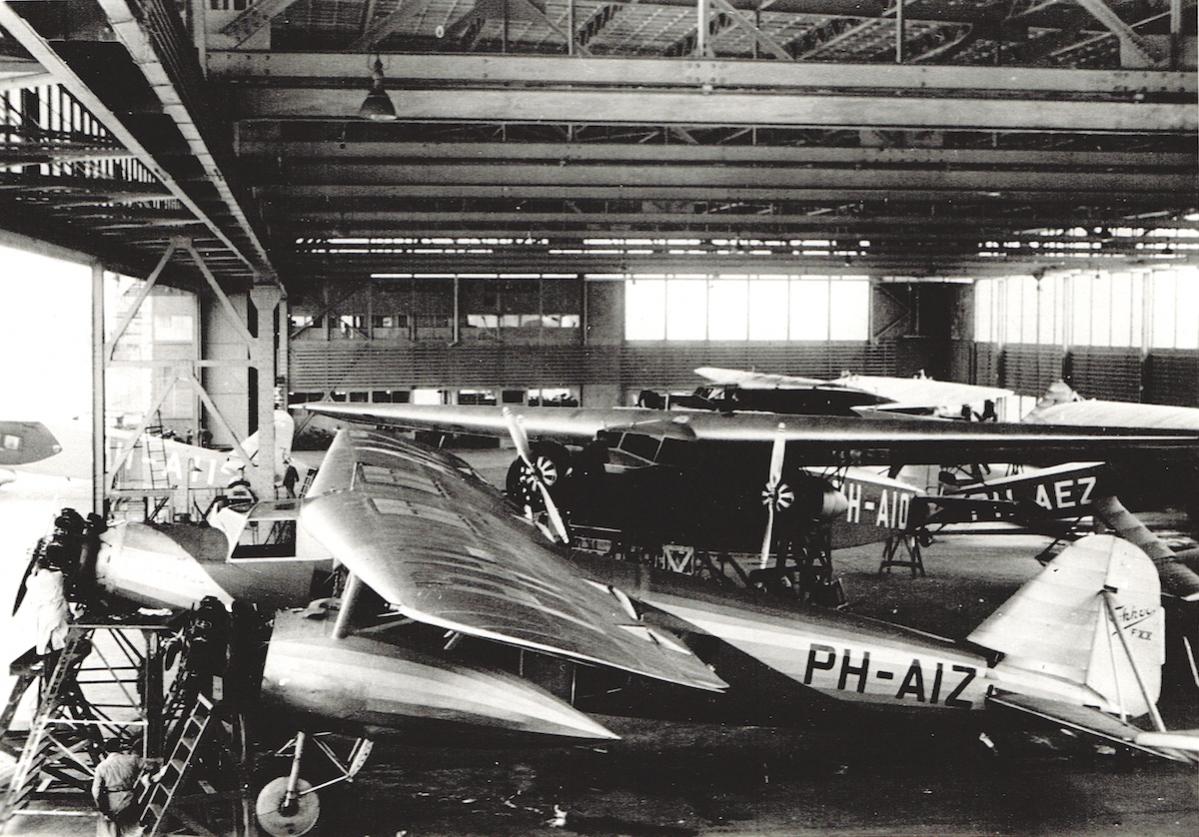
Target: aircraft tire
<point x="277" y="824"/>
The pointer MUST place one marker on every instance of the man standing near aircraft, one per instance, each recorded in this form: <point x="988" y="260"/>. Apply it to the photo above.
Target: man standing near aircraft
<point x="113" y="789"/>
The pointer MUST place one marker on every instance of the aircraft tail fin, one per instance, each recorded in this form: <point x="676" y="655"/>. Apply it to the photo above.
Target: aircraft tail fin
<point x="1059" y="392"/>
<point x="285" y="429"/>
<point x="1090" y="626"/>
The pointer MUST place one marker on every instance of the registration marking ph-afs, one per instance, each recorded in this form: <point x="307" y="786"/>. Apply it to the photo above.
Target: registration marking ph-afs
<point x="890" y="511"/>
<point x="881" y="674"/>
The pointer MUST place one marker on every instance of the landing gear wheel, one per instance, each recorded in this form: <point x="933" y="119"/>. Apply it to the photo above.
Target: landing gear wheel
<point x="552" y="462"/>
<point x="279" y="823"/>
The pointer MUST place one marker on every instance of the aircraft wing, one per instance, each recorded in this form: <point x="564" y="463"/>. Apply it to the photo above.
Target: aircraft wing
<point x="443" y="548"/>
<point x="812" y="440"/>
<point x="756" y="380"/>
<point x="922" y="392"/>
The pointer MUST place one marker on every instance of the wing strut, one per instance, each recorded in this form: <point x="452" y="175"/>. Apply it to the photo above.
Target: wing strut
<point x="349" y="596"/>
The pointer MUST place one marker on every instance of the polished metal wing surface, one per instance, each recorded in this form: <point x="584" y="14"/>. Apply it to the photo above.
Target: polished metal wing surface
<point x="813" y="440"/>
<point x="443" y="548"/>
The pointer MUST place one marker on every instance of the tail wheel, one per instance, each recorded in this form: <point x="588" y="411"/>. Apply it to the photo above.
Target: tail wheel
<point x="552" y="464"/>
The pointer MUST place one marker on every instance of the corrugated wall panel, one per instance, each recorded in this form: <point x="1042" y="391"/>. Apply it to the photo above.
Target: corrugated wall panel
<point x="1107" y="373"/>
<point x="1029" y="369"/>
<point x="986" y="364"/>
<point x="362" y="365"/>
<point x="1172" y="377"/>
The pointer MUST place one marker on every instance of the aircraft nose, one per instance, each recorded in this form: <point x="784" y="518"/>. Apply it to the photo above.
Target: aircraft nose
<point x="835" y="504"/>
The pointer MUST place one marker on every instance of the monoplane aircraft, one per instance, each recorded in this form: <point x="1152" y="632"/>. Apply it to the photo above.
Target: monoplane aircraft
<point x="737" y="390"/>
<point x="454" y="612"/>
<point x="719" y="480"/>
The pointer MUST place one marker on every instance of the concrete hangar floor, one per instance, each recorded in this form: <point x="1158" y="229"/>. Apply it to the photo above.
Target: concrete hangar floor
<point x="862" y="775"/>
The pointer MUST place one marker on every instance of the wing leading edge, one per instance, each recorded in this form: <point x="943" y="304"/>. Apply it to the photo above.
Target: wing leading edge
<point x="810" y="439"/>
<point x="443" y="549"/>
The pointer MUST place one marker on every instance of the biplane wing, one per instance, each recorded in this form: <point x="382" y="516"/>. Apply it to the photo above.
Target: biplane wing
<point x="443" y="549"/>
<point x="813" y="440"/>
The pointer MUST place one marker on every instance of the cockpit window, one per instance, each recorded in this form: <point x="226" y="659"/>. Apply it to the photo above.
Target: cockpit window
<point x="11" y="442"/>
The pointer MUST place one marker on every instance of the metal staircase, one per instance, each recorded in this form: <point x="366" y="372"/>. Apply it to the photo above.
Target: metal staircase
<point x="155" y="800"/>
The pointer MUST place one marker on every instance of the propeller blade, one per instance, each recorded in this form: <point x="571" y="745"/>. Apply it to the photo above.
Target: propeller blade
<point x="521" y="439"/>
<point x="766" y="540"/>
<point x="777" y="451"/>
<point x="552" y="509"/>
<point x="23" y="587"/>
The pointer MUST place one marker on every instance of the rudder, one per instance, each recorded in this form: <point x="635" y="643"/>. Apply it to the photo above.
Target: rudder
<point x="1092" y="618"/>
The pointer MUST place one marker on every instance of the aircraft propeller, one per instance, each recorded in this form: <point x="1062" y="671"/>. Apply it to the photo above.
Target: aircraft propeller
<point x="777" y="496"/>
<point x="521" y="439"/>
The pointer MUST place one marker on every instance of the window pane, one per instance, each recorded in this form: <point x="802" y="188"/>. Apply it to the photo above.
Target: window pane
<point x="982" y="310"/>
<point x="850" y="307"/>
<point x="1163" y="309"/>
<point x="809" y="309"/>
<point x="768" y="309"/>
<point x="645" y="309"/>
<point x="686" y="309"/>
<point x="1101" y="310"/>
<point x="1012" y="289"/>
<point x="1138" y="308"/>
<point x="728" y="309"/>
<point x="1030" y="298"/>
<point x="1080" y="288"/>
<point x="1047" y="309"/>
<point x="1122" y="309"/>
<point x="1187" y="336"/>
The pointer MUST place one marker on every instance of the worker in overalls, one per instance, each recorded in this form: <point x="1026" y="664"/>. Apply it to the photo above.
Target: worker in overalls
<point x="114" y="790"/>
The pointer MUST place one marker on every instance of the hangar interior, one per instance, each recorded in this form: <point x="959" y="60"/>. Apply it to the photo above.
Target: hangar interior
<point x="568" y="203"/>
<point x="575" y="201"/>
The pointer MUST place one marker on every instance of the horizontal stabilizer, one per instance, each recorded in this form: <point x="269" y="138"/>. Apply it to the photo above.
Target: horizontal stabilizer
<point x="1082" y="720"/>
<point x="1186" y="740"/>
<point x="1177" y="578"/>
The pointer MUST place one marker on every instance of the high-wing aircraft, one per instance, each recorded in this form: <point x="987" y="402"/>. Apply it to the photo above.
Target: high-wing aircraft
<point x="454" y="612"/>
<point x="736" y="390"/>
<point x="63" y="449"/>
<point x="148" y="457"/>
<point x="698" y="477"/>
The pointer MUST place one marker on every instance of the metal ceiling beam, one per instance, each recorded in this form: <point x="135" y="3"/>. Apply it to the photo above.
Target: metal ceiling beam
<point x="930" y="263"/>
<point x="703" y="193"/>
<point x="284" y="69"/>
<point x="697" y="108"/>
<point x="252" y="20"/>
<point x="620" y="223"/>
<point x="797" y="177"/>
<point x="725" y="154"/>
<point x="43" y="53"/>
<point x="1129" y="38"/>
<point x="132" y="32"/>
<point x="380" y="29"/>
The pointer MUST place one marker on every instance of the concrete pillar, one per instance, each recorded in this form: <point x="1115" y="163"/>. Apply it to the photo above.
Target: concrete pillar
<point x="266" y="299"/>
<point x="603" y="330"/>
<point x="227" y="386"/>
<point x="98" y="426"/>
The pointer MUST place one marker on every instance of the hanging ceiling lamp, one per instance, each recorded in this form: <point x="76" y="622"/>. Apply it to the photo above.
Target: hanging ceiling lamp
<point x="377" y="106"/>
